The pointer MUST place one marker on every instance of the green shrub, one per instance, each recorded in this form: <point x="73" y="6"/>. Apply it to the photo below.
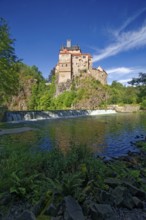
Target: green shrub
<point x="143" y="104"/>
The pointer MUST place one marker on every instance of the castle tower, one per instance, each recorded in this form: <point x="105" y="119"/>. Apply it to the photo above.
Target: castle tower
<point x="68" y="43"/>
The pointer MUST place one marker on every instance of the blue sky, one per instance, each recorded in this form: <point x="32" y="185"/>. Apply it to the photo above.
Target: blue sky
<point x="112" y="31"/>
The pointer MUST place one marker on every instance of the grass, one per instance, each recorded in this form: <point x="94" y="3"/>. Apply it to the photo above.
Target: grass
<point x="27" y="173"/>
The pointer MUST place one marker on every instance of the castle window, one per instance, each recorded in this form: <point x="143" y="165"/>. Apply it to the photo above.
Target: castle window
<point x="84" y="57"/>
<point x="66" y="64"/>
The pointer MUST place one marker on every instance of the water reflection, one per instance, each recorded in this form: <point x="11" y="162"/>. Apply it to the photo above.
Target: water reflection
<point x="108" y="135"/>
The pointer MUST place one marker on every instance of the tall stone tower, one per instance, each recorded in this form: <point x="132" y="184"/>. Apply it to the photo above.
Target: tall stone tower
<point x="68" y="43"/>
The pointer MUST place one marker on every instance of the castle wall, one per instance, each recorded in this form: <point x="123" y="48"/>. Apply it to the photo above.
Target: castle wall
<point x="64" y="67"/>
<point x="79" y="63"/>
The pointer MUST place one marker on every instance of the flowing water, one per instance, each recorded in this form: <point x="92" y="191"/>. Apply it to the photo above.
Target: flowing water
<point x="110" y="135"/>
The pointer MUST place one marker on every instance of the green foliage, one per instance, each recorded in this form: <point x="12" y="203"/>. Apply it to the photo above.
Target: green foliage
<point x="141" y="80"/>
<point x="141" y="145"/>
<point x="143" y="104"/>
<point x="69" y="184"/>
<point x="25" y="186"/>
<point x="64" y="100"/>
<point x="119" y="94"/>
<point x="140" y="83"/>
<point x="45" y="96"/>
<point x="8" y="67"/>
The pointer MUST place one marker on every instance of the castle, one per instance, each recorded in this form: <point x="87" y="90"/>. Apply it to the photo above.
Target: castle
<point x="72" y="62"/>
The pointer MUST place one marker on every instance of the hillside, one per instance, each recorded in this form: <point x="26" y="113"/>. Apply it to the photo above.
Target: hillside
<point x="83" y="92"/>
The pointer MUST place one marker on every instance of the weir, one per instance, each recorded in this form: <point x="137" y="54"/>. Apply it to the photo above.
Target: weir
<point x="11" y="116"/>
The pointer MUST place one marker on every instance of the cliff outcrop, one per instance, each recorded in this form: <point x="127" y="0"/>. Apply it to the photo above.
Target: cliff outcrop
<point x="83" y="92"/>
<point x="21" y="100"/>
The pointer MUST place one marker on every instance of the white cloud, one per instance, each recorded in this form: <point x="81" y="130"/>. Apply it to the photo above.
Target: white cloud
<point x="120" y="70"/>
<point x="124" y="74"/>
<point x="124" y="81"/>
<point x="124" y="41"/>
<point x="131" y="19"/>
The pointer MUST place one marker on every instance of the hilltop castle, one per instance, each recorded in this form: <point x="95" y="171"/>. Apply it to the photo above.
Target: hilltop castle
<point x="72" y="62"/>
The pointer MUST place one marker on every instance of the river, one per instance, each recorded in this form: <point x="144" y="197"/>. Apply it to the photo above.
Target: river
<point x="108" y="135"/>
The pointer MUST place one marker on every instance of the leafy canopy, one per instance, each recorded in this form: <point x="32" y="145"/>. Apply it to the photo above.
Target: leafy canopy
<point x="141" y="80"/>
<point x="8" y="59"/>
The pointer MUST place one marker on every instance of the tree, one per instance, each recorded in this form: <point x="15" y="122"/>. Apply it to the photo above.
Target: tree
<point x="8" y="60"/>
<point x="116" y="91"/>
<point x="140" y="83"/>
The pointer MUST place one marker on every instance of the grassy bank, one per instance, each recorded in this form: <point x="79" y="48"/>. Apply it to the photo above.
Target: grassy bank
<point x="28" y="175"/>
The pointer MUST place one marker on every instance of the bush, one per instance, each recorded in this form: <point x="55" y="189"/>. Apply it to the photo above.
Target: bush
<point x="143" y="104"/>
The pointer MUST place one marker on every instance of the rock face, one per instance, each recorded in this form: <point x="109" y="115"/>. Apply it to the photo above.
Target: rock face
<point x="26" y="215"/>
<point x="61" y="87"/>
<point x="102" y="211"/>
<point x="20" y="101"/>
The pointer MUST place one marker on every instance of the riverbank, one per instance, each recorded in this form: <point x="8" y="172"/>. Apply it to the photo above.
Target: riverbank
<point x="72" y="184"/>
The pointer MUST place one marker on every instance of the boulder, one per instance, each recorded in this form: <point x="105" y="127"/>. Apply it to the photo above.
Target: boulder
<point x="135" y="191"/>
<point x="137" y="202"/>
<point x="73" y="210"/>
<point x="1" y="216"/>
<point x="5" y="199"/>
<point x="57" y="218"/>
<point x="113" y="182"/>
<point x="51" y="210"/>
<point x="26" y="215"/>
<point x="106" y="197"/>
<point x="122" y="197"/>
<point x="102" y="212"/>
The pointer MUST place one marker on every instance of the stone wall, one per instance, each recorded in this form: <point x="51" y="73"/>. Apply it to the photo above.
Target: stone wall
<point x="124" y="108"/>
